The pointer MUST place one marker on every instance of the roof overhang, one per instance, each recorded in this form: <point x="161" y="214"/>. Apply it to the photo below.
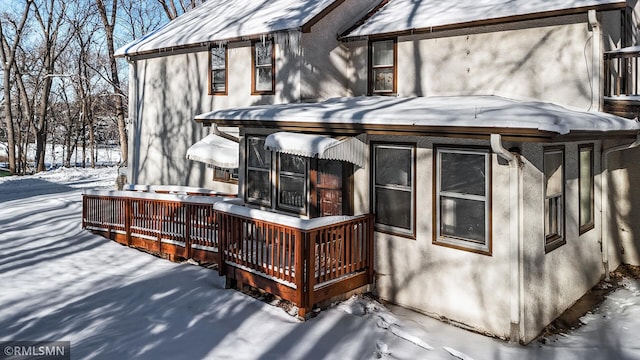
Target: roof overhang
<point x="217" y="151"/>
<point x="454" y="116"/>
<point x="396" y="18"/>
<point x="348" y="149"/>
<point x="217" y="22"/>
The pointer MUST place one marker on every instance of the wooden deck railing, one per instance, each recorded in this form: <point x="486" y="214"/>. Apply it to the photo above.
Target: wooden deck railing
<point x="173" y="225"/>
<point x="621" y="72"/>
<point x="622" y="82"/>
<point x="303" y="261"/>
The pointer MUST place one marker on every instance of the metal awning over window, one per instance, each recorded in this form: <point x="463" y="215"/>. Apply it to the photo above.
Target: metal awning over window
<point x="215" y="150"/>
<point x="349" y="149"/>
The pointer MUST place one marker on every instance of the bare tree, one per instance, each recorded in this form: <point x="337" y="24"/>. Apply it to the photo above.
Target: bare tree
<point x="8" y="49"/>
<point x="173" y="12"/>
<point x="50" y="15"/>
<point x="109" y="21"/>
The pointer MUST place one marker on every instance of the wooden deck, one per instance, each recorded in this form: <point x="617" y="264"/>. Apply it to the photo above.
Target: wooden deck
<point x="306" y="265"/>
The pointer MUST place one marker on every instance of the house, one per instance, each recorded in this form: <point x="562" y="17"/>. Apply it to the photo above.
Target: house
<point x="474" y="131"/>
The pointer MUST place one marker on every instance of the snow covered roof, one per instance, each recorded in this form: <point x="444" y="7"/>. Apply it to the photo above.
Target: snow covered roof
<point x="348" y="149"/>
<point x="398" y="16"/>
<point x="491" y="113"/>
<point x="223" y="20"/>
<point x="627" y="50"/>
<point x="215" y="150"/>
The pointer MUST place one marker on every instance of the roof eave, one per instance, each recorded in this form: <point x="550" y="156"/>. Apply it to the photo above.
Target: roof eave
<point x="487" y="22"/>
<point x="508" y="134"/>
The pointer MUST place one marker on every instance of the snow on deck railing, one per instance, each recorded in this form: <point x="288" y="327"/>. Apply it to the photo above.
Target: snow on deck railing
<point x="301" y="260"/>
<point x="175" y="189"/>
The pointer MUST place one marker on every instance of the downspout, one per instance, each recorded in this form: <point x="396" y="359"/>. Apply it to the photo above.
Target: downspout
<point x="597" y="64"/>
<point x="515" y="238"/>
<point x="604" y="203"/>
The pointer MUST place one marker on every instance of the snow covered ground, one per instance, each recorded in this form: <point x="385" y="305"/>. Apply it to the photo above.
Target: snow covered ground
<point x="59" y="282"/>
<point x="55" y="155"/>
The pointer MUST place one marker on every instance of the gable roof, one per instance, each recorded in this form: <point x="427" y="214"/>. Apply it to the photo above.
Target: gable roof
<point x="399" y="17"/>
<point x="463" y="115"/>
<point x="225" y="20"/>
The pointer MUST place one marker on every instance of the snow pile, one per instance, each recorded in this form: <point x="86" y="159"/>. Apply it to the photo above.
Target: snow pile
<point x="60" y="282"/>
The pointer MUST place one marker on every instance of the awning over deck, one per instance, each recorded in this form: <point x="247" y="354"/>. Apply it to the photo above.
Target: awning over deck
<point x="217" y="151"/>
<point x="344" y="149"/>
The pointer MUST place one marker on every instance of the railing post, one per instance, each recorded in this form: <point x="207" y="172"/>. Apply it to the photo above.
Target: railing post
<point x="84" y="211"/>
<point x="221" y="234"/>
<point x="369" y="241"/>
<point x="299" y="258"/>
<point x="128" y="204"/>
<point x="187" y="229"/>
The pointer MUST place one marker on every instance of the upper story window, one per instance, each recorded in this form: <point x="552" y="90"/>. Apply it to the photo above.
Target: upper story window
<point x="394" y="188"/>
<point x="553" y="198"/>
<point x="218" y="70"/>
<point x="263" y="68"/>
<point x="463" y="208"/>
<point x="382" y="67"/>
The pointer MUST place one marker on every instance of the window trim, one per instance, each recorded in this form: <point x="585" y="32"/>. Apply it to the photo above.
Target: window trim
<point x="247" y="198"/>
<point x="554" y="241"/>
<point x="371" y="68"/>
<point x="389" y="229"/>
<point x="254" y="91"/>
<point x="212" y="90"/>
<point x="591" y="224"/>
<point x="459" y="243"/>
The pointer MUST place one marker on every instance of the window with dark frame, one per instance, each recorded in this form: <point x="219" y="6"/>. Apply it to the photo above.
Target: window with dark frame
<point x="263" y="68"/>
<point x="258" y="183"/>
<point x="394" y="188"/>
<point x="300" y="185"/>
<point x="554" y="200"/>
<point x="586" y="187"/>
<point x="225" y="175"/>
<point x="462" y="204"/>
<point x="382" y="68"/>
<point x="218" y="70"/>
<point x="292" y="182"/>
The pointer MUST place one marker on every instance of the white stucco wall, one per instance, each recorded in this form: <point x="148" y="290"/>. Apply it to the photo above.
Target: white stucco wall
<point x="624" y="179"/>
<point x="325" y="60"/>
<point x="555" y="280"/>
<point x="462" y="286"/>
<point x="547" y="60"/>
<point x="169" y="89"/>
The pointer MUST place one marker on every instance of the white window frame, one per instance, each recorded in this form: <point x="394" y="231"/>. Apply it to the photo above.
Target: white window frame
<point x="586" y="226"/>
<point x="396" y="230"/>
<point x="459" y="242"/>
